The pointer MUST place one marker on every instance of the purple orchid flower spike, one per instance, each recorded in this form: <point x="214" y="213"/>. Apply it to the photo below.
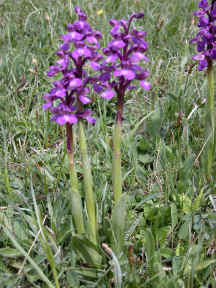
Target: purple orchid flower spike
<point x="69" y="95"/>
<point x="121" y="64"/>
<point x="206" y="37"/>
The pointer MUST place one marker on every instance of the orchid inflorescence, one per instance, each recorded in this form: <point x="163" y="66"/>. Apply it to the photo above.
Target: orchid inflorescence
<point x="120" y="65"/>
<point x="206" y="37"/>
<point x="71" y="91"/>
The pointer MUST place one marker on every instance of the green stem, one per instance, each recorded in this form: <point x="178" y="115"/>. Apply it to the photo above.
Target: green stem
<point x="76" y="201"/>
<point x="116" y="168"/>
<point x="210" y="117"/>
<point x="88" y="184"/>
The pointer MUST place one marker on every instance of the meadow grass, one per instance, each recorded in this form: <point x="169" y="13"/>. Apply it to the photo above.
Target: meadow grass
<point x="170" y="232"/>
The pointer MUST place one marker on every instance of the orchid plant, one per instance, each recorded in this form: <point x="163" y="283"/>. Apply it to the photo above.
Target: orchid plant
<point x="67" y="102"/>
<point x="206" y="47"/>
<point x="119" y="68"/>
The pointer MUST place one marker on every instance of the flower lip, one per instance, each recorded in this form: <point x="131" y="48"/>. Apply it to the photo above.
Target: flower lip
<point x="146" y="85"/>
<point x="108" y="94"/>
<point x="126" y="73"/>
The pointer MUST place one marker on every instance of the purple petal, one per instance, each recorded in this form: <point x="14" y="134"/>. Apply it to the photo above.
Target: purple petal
<point x="126" y="73"/>
<point x="84" y="99"/>
<point x="62" y="63"/>
<point x="97" y="34"/>
<point x="202" y="64"/>
<point x="72" y="36"/>
<point x="81" y="52"/>
<point x="201" y="46"/>
<point x="53" y="70"/>
<point x="81" y="25"/>
<point x="70" y="27"/>
<point x="146" y="85"/>
<point x="46" y="96"/>
<point x="108" y="94"/>
<point x="138" y="15"/>
<point x="203" y="22"/>
<point x="91" y="40"/>
<point x="107" y="51"/>
<point x="95" y="65"/>
<point x="131" y="87"/>
<point x="203" y="4"/>
<point x="137" y="56"/>
<point x="213" y="54"/>
<point x="112" y="58"/>
<point x="61" y="93"/>
<point x="138" y="34"/>
<point x="79" y="12"/>
<point x="116" y="44"/>
<point x="62" y="119"/>
<point x="115" y="32"/>
<point x="97" y="88"/>
<point x="87" y="115"/>
<point x="91" y="120"/>
<point x="143" y="75"/>
<point x="64" y="47"/>
<point x="105" y="77"/>
<point x="113" y="22"/>
<point x="76" y="82"/>
<point x="47" y="105"/>
<point x="198" y="57"/>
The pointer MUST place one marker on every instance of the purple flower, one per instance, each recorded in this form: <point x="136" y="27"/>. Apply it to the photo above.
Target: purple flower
<point x="206" y="36"/>
<point x="122" y="62"/>
<point x="69" y="96"/>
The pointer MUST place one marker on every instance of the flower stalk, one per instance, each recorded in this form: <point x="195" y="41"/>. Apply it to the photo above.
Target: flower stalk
<point x="210" y="117"/>
<point x="76" y="202"/>
<point x="116" y="167"/>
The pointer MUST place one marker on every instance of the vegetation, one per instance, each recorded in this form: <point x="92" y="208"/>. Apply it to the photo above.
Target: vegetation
<point x="168" y="234"/>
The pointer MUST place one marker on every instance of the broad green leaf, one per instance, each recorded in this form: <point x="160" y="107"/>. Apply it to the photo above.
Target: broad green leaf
<point x="196" y="203"/>
<point x="149" y="245"/>
<point x="86" y="248"/>
<point x="10" y="252"/>
<point x="186" y="203"/>
<point x="183" y="232"/>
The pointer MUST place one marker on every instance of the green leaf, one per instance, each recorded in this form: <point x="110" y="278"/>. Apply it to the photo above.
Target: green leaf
<point x="183" y="232"/>
<point x="86" y="248"/>
<point x="145" y="159"/>
<point x="10" y="252"/>
<point x="205" y="264"/>
<point x="149" y="243"/>
<point x="186" y="203"/>
<point x="197" y="202"/>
